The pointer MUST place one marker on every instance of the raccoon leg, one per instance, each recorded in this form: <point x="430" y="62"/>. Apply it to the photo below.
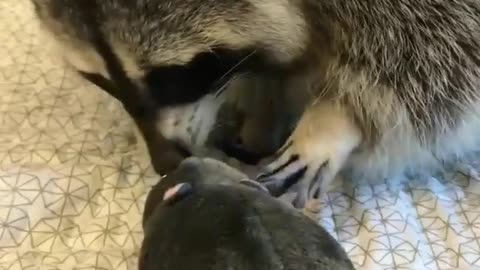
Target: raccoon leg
<point x="315" y="152"/>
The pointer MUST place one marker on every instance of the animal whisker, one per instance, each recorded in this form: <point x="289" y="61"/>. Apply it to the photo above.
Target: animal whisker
<point x="220" y="91"/>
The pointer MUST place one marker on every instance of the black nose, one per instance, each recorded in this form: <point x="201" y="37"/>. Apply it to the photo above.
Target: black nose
<point x="236" y="149"/>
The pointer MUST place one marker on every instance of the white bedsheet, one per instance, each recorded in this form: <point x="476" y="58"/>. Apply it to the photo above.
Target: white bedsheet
<point x="73" y="180"/>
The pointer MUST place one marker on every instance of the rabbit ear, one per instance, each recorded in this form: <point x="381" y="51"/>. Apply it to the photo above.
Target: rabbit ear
<point x="176" y="193"/>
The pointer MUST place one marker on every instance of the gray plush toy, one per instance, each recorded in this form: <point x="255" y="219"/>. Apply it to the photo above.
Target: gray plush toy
<point x="208" y="216"/>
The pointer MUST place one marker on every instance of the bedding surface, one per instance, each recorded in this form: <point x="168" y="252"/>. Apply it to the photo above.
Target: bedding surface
<point x="73" y="179"/>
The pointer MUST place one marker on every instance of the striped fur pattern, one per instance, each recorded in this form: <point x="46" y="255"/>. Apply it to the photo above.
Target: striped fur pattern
<point x="384" y="86"/>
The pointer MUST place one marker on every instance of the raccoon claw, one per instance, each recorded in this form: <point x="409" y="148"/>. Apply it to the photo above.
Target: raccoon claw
<point x="291" y="171"/>
<point x="281" y="179"/>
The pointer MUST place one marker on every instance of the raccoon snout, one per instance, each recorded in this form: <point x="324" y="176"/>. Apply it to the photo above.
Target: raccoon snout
<point x="236" y="149"/>
<point x="166" y="155"/>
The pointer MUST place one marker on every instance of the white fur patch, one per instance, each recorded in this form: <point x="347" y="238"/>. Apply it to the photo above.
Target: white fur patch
<point x="190" y="124"/>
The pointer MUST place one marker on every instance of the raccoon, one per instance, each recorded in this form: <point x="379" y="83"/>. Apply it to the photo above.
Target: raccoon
<point x="387" y="85"/>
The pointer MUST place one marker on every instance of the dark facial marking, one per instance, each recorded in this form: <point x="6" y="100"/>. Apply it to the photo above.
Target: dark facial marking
<point x="165" y="155"/>
<point x="180" y="84"/>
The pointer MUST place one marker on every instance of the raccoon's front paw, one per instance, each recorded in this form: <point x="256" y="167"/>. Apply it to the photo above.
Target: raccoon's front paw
<point x="315" y="152"/>
<point x="306" y="172"/>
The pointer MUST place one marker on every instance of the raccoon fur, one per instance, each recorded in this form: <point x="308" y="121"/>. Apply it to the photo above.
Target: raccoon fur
<point x="388" y="85"/>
